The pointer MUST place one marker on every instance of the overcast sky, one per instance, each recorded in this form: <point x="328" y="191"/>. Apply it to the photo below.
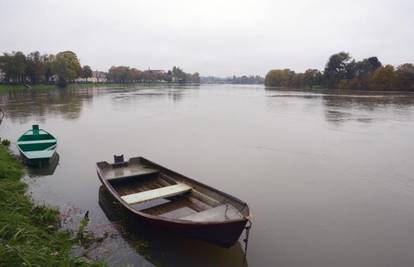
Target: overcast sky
<point x="213" y="37"/>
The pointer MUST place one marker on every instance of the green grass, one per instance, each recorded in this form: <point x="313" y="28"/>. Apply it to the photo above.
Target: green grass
<point x="20" y="87"/>
<point x="45" y="87"/>
<point x="95" y="85"/>
<point x="30" y="234"/>
<point x="40" y="87"/>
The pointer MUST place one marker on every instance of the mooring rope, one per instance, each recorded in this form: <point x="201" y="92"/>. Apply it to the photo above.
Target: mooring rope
<point x="1" y="115"/>
<point x="246" y="239"/>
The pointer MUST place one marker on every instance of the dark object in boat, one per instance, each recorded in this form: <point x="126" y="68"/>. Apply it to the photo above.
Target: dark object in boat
<point x="163" y="198"/>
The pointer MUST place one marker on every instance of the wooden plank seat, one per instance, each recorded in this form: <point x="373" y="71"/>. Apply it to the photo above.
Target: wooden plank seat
<point x="50" y="141"/>
<point x="123" y="173"/>
<point x="163" y="192"/>
<point x="219" y="213"/>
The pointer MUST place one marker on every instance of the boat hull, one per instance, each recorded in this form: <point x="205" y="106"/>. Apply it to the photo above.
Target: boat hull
<point x="37" y="147"/>
<point x="220" y="231"/>
<point x="224" y="234"/>
<point x="37" y="161"/>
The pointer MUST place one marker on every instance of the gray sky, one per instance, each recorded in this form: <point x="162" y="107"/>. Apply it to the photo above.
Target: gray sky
<point x="213" y="37"/>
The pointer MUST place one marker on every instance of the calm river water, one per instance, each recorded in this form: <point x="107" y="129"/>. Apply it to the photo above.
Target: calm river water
<point x="329" y="177"/>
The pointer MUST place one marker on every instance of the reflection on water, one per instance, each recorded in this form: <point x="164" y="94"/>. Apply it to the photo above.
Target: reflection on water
<point x="328" y="176"/>
<point x="144" y="95"/>
<point x="358" y="106"/>
<point x="25" y="104"/>
<point x="68" y="103"/>
<point x="44" y="170"/>
<point x="364" y="108"/>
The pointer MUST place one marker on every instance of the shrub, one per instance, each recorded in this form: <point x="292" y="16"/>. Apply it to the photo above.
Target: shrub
<point x="5" y="142"/>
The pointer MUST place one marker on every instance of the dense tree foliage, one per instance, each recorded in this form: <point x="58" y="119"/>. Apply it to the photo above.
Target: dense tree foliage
<point x="288" y="78"/>
<point x="384" y="78"/>
<point x="86" y="72"/>
<point x="14" y="66"/>
<point x="405" y="74"/>
<point x="65" y="67"/>
<point x="343" y="72"/>
<point x="123" y="74"/>
<point x="251" y="79"/>
<point x="247" y="79"/>
<point x="36" y="68"/>
<point x="338" y="68"/>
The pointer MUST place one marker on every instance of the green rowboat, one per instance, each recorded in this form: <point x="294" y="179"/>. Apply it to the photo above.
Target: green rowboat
<point x="37" y="146"/>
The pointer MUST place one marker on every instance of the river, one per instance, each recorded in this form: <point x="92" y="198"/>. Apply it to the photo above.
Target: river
<point x="328" y="176"/>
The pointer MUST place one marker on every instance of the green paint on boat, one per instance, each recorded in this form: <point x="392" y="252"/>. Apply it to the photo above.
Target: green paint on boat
<point x="37" y="145"/>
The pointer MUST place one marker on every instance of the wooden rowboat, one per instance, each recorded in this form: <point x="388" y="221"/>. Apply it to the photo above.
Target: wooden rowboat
<point x="37" y="146"/>
<point x="163" y="198"/>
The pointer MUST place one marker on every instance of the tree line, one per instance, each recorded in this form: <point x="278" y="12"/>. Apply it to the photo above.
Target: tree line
<point x="343" y="72"/>
<point x="246" y="79"/>
<point x="64" y="68"/>
<point x="35" y="68"/>
<point x="124" y="74"/>
<point x="251" y="79"/>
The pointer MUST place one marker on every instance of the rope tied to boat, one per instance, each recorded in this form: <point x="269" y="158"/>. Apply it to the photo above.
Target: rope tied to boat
<point x="2" y="114"/>
<point x="225" y="212"/>
<point x="248" y="227"/>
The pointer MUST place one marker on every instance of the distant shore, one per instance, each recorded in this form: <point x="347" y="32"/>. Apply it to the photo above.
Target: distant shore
<point x="4" y="88"/>
<point x="21" y="87"/>
<point x="345" y="73"/>
<point x="39" y="87"/>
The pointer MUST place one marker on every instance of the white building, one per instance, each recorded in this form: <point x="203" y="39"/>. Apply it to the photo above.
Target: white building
<point x="97" y="77"/>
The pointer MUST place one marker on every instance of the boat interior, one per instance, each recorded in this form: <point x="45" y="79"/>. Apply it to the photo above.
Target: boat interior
<point x="151" y="189"/>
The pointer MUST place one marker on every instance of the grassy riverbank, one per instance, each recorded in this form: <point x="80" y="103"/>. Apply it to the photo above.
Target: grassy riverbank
<point x="29" y="234"/>
<point x="40" y="87"/>
<point x="20" y="87"/>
